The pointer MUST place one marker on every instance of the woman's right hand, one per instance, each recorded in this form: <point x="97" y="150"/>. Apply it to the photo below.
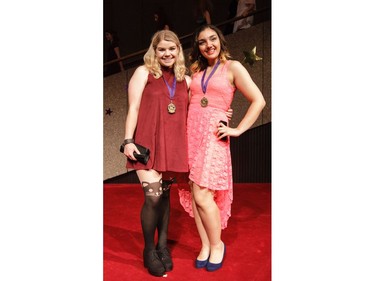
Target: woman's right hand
<point x="129" y="150"/>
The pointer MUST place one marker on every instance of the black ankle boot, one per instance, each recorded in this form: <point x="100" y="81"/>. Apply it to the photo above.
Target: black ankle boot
<point x="165" y="258"/>
<point x="152" y="262"/>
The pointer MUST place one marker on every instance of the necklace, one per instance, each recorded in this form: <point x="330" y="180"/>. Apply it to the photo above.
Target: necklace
<point x="172" y="90"/>
<point x="204" y="100"/>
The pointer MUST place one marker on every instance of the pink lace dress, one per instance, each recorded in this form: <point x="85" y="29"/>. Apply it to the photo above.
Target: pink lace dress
<point x="209" y="158"/>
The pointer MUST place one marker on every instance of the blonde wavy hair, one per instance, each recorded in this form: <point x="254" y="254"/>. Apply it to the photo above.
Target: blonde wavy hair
<point x="151" y="61"/>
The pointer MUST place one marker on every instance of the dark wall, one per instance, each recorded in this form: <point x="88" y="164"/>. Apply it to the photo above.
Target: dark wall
<point x="251" y="155"/>
<point x="133" y="20"/>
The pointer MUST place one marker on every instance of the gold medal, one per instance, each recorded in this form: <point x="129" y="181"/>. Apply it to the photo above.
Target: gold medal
<point x="204" y="102"/>
<point x="171" y="108"/>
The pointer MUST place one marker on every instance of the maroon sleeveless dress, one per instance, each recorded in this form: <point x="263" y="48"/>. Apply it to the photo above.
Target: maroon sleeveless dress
<point x="163" y="133"/>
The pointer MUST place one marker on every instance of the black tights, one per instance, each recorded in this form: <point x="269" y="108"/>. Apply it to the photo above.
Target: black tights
<point x="163" y="221"/>
<point x="155" y="213"/>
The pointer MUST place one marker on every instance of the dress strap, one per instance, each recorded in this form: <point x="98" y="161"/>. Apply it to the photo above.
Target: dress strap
<point x="226" y="65"/>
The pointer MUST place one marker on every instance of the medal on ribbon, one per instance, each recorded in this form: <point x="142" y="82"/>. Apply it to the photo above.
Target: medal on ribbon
<point x="171" y="106"/>
<point x="204" y="100"/>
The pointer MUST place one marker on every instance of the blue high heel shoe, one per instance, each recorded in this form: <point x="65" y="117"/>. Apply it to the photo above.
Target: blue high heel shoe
<point x="201" y="264"/>
<point x="215" y="266"/>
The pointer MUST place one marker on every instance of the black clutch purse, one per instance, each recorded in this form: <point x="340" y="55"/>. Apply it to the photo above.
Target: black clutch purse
<point x="144" y="153"/>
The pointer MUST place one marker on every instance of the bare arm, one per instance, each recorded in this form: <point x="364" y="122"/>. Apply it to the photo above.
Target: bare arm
<point x="117" y="51"/>
<point x="207" y="16"/>
<point x="250" y="7"/>
<point x="240" y="77"/>
<point x="135" y="90"/>
<point x="188" y="82"/>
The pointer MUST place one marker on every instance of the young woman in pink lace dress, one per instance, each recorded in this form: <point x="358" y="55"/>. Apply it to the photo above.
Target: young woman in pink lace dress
<point x="215" y="79"/>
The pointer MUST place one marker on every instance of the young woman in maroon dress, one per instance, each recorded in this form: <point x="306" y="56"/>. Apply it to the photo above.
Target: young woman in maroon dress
<point x="156" y="119"/>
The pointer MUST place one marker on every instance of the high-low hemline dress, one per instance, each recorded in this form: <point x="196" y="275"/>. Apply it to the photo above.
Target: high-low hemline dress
<point x="209" y="158"/>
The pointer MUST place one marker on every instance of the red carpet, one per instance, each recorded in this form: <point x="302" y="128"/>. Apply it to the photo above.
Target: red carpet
<point x="248" y="236"/>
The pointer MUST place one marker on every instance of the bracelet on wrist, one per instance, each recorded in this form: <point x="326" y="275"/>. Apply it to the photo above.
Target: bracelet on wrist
<point x="126" y="141"/>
